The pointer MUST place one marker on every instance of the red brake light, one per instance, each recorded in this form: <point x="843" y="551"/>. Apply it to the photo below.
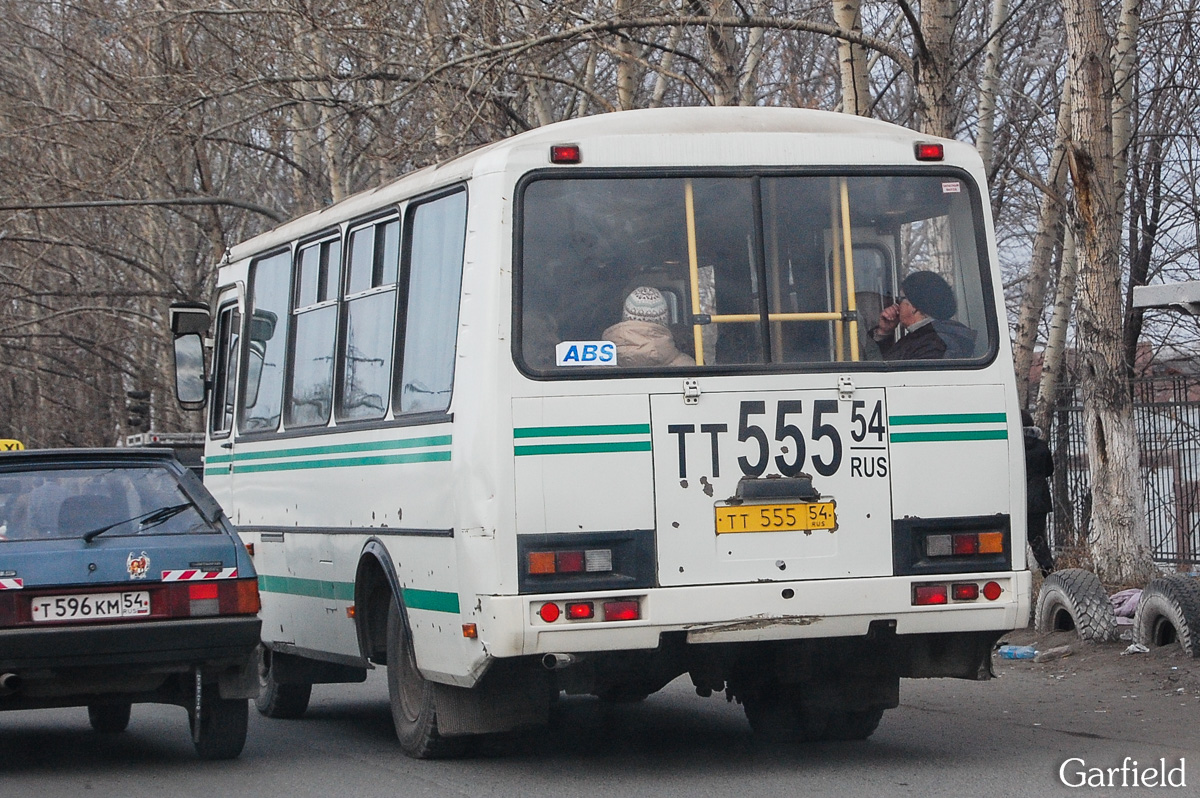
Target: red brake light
<point x="566" y="153"/>
<point x="964" y="591"/>
<point x="581" y="610"/>
<point x="569" y="562"/>
<point x="621" y="611"/>
<point x="927" y="151"/>
<point x="966" y="543"/>
<point x="202" y="590"/>
<point x="549" y="612"/>
<point x="924" y="595"/>
<point x="992" y="591"/>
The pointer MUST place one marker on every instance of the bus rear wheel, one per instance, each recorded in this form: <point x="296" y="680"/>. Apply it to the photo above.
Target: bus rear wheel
<point x="413" y="697"/>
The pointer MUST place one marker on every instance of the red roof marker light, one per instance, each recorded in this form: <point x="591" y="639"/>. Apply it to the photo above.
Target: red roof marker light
<point x="927" y="151"/>
<point x="566" y="153"/>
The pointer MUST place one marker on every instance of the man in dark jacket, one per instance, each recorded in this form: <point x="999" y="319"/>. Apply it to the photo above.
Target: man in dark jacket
<point x="1039" y="466"/>
<point x="925" y="308"/>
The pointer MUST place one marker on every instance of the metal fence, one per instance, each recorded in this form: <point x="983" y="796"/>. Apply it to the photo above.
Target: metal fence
<point x="1167" y="414"/>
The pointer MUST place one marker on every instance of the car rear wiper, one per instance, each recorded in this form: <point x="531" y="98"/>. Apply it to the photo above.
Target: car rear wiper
<point x="152" y="518"/>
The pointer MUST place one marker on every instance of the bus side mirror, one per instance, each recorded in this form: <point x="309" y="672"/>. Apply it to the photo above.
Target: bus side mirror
<point x="189" y="371"/>
<point x="189" y="317"/>
<point x="262" y="326"/>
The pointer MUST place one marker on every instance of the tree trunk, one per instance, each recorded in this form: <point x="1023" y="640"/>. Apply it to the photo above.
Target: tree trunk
<point x="1053" y="355"/>
<point x="1033" y="301"/>
<point x="1119" y="541"/>
<point x="936" y="67"/>
<point x="856" y="90"/>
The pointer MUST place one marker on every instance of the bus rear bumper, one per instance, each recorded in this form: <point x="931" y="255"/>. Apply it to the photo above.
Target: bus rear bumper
<point x="755" y="612"/>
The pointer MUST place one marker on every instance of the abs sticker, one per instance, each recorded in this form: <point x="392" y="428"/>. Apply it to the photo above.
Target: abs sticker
<point x="585" y="353"/>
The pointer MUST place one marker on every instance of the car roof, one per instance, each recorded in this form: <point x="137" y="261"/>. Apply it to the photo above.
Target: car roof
<point x="87" y="456"/>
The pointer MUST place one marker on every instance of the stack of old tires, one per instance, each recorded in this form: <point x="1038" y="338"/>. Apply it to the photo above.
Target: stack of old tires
<point x="1168" y="612"/>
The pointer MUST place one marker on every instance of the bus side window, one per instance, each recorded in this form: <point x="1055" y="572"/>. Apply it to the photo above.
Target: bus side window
<point x="436" y="236"/>
<point x="370" y="321"/>
<point x="224" y="371"/>
<point x="262" y="390"/>
<point x="318" y="266"/>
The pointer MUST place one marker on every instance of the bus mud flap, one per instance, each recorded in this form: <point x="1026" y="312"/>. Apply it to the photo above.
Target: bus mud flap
<point x="513" y="694"/>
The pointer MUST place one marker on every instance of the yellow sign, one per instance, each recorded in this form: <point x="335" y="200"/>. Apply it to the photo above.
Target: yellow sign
<point x="776" y="517"/>
<point x="9" y="445"/>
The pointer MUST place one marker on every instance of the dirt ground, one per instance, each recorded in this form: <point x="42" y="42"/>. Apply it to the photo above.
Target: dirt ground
<point x="1096" y="690"/>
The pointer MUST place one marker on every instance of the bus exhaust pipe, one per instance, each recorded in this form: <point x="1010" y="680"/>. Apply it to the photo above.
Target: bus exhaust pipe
<point x="9" y="683"/>
<point x="556" y="662"/>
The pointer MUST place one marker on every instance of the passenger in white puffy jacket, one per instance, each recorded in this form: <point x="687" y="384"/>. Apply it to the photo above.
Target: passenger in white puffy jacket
<point x="643" y="338"/>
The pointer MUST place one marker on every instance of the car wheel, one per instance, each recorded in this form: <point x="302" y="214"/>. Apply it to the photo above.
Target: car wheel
<point x="1074" y="600"/>
<point x="413" y="697"/>
<point x="223" y="724"/>
<point x="275" y="700"/>
<point x="109" y="718"/>
<point x="1169" y="612"/>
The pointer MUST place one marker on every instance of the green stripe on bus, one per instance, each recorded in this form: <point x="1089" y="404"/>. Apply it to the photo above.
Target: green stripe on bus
<point x="313" y="588"/>
<point x="345" y="448"/>
<point x="583" y="448"/>
<point x="948" y="418"/>
<point x="950" y="435"/>
<point x="434" y="600"/>
<point x="345" y="462"/>
<point x="564" y="432"/>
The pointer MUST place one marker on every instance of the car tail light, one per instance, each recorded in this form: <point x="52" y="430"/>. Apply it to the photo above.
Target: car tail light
<point x="924" y="595"/>
<point x="210" y="597"/>
<point x="964" y="591"/>
<point x="626" y="610"/>
<point x="8" y="608"/>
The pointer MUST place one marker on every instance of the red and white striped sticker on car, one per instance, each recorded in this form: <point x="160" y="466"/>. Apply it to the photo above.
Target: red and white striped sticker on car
<point x="196" y="575"/>
<point x="12" y="584"/>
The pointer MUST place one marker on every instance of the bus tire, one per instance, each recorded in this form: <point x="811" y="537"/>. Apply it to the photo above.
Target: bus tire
<point x="413" y="697"/>
<point x="223" y="723"/>
<point x="1169" y="612"/>
<point x="275" y="700"/>
<point x="775" y="718"/>
<point x="853" y="725"/>
<point x="1074" y="600"/>
<point x="109" y="718"/>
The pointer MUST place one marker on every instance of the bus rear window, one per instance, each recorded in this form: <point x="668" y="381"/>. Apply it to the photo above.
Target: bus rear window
<point x="690" y="273"/>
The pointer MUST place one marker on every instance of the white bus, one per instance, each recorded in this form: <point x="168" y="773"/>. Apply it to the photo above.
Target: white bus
<point x="618" y="400"/>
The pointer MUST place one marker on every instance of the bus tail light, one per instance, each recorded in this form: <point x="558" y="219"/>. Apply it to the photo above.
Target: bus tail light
<point x="549" y="612"/>
<point x="964" y="591"/>
<point x="566" y="153"/>
<point x="992" y="591"/>
<point x="621" y="611"/>
<point x="925" y="595"/>
<point x="570" y="561"/>
<point x="581" y="610"/>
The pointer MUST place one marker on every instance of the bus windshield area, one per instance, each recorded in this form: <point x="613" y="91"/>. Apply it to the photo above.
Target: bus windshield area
<point x="713" y="271"/>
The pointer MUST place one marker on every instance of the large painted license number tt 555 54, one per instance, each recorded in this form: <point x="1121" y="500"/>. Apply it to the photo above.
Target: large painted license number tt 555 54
<point x="802" y="517"/>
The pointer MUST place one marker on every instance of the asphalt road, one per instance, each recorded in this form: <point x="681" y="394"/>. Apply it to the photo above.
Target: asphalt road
<point x="1007" y="737"/>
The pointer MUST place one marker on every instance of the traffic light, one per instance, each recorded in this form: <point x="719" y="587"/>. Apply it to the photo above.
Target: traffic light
<point x="137" y="405"/>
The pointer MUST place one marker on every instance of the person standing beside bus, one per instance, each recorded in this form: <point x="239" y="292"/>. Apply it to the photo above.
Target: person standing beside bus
<point x="1039" y="466"/>
<point x="924" y="308"/>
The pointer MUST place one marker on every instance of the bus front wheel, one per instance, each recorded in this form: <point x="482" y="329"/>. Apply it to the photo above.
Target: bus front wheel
<point x="413" y="697"/>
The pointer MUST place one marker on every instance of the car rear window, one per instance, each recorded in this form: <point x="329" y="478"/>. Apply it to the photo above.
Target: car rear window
<point x="70" y="502"/>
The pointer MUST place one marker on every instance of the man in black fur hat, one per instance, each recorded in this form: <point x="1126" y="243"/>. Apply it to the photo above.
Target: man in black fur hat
<point x="925" y="308"/>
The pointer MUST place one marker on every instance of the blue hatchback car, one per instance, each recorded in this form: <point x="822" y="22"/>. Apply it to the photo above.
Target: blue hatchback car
<point x="122" y="582"/>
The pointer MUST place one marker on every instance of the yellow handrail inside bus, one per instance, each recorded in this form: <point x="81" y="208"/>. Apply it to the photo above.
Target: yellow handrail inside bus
<point x="693" y="269"/>
<point x="848" y="244"/>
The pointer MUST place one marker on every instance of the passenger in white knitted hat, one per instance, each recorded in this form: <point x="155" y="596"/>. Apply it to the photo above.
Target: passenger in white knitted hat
<point x="643" y="338"/>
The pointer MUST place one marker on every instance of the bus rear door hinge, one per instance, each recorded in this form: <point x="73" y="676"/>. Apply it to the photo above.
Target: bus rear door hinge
<point x="691" y="391"/>
<point x="845" y="387"/>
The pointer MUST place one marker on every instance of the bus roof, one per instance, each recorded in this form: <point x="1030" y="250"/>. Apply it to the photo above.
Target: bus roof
<point x="674" y="125"/>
